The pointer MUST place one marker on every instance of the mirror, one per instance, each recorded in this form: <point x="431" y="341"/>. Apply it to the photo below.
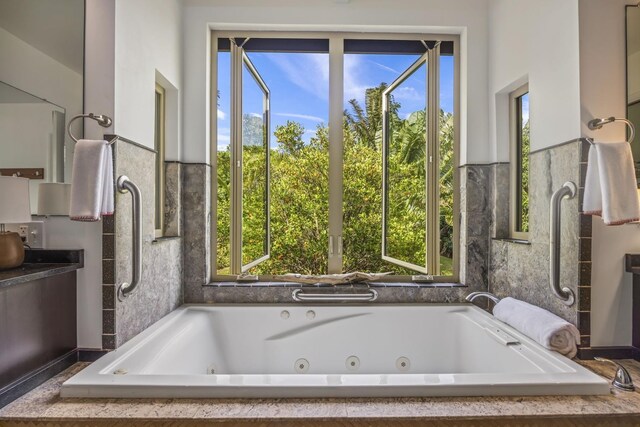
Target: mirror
<point x="41" y="88"/>
<point x="33" y="133"/>
<point x="633" y="77"/>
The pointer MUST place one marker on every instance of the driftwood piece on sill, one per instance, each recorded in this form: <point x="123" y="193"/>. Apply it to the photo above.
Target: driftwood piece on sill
<point x="31" y="173"/>
<point x="332" y="279"/>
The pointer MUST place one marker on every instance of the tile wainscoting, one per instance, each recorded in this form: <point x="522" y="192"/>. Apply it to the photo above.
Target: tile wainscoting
<point x="160" y="290"/>
<point x="177" y="267"/>
<point x="521" y="270"/>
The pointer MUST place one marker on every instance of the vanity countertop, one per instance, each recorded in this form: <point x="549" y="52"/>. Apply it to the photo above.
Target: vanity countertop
<point x="41" y="263"/>
<point x="44" y="405"/>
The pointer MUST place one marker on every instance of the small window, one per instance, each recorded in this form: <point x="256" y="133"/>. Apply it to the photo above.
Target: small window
<point x="520" y="148"/>
<point x="159" y="143"/>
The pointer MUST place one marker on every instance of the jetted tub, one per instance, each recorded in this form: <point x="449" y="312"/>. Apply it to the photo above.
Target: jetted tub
<point x="331" y="351"/>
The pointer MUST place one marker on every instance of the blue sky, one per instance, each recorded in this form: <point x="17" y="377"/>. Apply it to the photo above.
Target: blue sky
<point x="299" y="85"/>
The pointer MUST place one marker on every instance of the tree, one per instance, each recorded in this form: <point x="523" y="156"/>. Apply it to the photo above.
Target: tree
<point x="300" y="191"/>
<point x="366" y="123"/>
<point x="289" y="137"/>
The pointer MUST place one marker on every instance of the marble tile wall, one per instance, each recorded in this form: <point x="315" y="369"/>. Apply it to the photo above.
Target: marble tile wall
<point x="487" y="261"/>
<point x="475" y="220"/>
<point x="173" y="199"/>
<point x="196" y="245"/>
<point x="521" y="270"/>
<point x="160" y="290"/>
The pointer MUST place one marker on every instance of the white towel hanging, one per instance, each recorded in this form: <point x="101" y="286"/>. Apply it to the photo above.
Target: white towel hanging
<point x="92" y="181"/>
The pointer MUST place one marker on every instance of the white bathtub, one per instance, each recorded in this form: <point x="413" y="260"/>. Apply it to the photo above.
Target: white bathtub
<point x="331" y="351"/>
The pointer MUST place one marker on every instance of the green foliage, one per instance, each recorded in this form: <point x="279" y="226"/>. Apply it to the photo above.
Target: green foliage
<point x="289" y="137"/>
<point x="526" y="148"/>
<point x="300" y="193"/>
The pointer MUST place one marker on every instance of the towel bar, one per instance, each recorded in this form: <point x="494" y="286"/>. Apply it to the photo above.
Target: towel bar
<point x="125" y="185"/>
<point x="103" y="120"/>
<point x="370" y="295"/>
<point x="596" y="124"/>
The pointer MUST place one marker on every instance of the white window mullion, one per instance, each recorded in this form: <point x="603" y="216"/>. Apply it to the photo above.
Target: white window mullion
<point x="433" y="161"/>
<point x="336" y="150"/>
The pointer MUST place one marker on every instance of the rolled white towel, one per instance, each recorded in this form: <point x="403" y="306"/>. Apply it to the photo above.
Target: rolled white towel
<point x="540" y="325"/>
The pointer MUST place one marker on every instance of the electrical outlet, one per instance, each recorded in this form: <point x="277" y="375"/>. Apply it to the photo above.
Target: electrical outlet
<point x="32" y="233"/>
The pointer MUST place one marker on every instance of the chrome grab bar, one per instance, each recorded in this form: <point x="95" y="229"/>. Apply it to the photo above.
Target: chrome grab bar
<point x="125" y="185"/>
<point x="370" y="295"/>
<point x="473" y="295"/>
<point x="568" y="190"/>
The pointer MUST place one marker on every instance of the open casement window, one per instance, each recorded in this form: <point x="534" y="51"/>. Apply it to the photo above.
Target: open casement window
<point x="409" y="143"/>
<point x="370" y="184"/>
<point x="250" y="234"/>
<point x="519" y="162"/>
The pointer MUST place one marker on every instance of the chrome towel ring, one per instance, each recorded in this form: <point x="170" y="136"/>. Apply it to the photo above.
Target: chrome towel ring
<point x="596" y="124"/>
<point x="104" y="121"/>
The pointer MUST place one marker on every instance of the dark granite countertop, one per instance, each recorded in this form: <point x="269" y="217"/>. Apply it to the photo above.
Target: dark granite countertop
<point x="41" y="263"/>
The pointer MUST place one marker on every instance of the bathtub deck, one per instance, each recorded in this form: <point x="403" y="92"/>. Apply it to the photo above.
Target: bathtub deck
<point x="43" y="406"/>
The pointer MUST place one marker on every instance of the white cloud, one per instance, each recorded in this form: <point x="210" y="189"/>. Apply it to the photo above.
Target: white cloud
<point x="354" y="88"/>
<point x="301" y="116"/>
<point x="307" y="71"/>
<point x="224" y="138"/>
<point x="386" y="68"/>
<point x="222" y="115"/>
<point x="407" y="93"/>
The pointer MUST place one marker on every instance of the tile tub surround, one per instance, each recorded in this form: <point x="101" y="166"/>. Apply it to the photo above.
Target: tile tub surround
<point x="160" y="290"/>
<point x="475" y="221"/>
<point x="522" y="270"/>
<point x="196" y="219"/>
<point x="43" y="405"/>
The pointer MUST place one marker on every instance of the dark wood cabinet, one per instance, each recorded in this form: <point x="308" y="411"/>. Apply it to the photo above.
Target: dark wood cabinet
<point x="38" y="326"/>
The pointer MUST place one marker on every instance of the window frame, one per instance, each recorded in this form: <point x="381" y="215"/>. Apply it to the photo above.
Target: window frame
<point x="336" y="146"/>
<point x="515" y="161"/>
<point x="240" y="60"/>
<point x="160" y="123"/>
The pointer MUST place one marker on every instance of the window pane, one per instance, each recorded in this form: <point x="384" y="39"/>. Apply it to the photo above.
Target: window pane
<point x="523" y="162"/>
<point x="366" y="76"/>
<point x="447" y="165"/>
<point x="406" y="196"/>
<point x="255" y="227"/>
<point x="299" y="161"/>
<point x="223" y="175"/>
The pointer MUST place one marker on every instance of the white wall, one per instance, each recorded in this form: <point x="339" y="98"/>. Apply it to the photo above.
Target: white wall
<point x="147" y="40"/>
<point x="602" y="62"/>
<point x="465" y="17"/>
<point x="534" y="42"/>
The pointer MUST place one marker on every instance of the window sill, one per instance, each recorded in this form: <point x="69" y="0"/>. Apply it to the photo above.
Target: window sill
<point x="510" y="240"/>
<point x="438" y="285"/>
<point x="165" y="239"/>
